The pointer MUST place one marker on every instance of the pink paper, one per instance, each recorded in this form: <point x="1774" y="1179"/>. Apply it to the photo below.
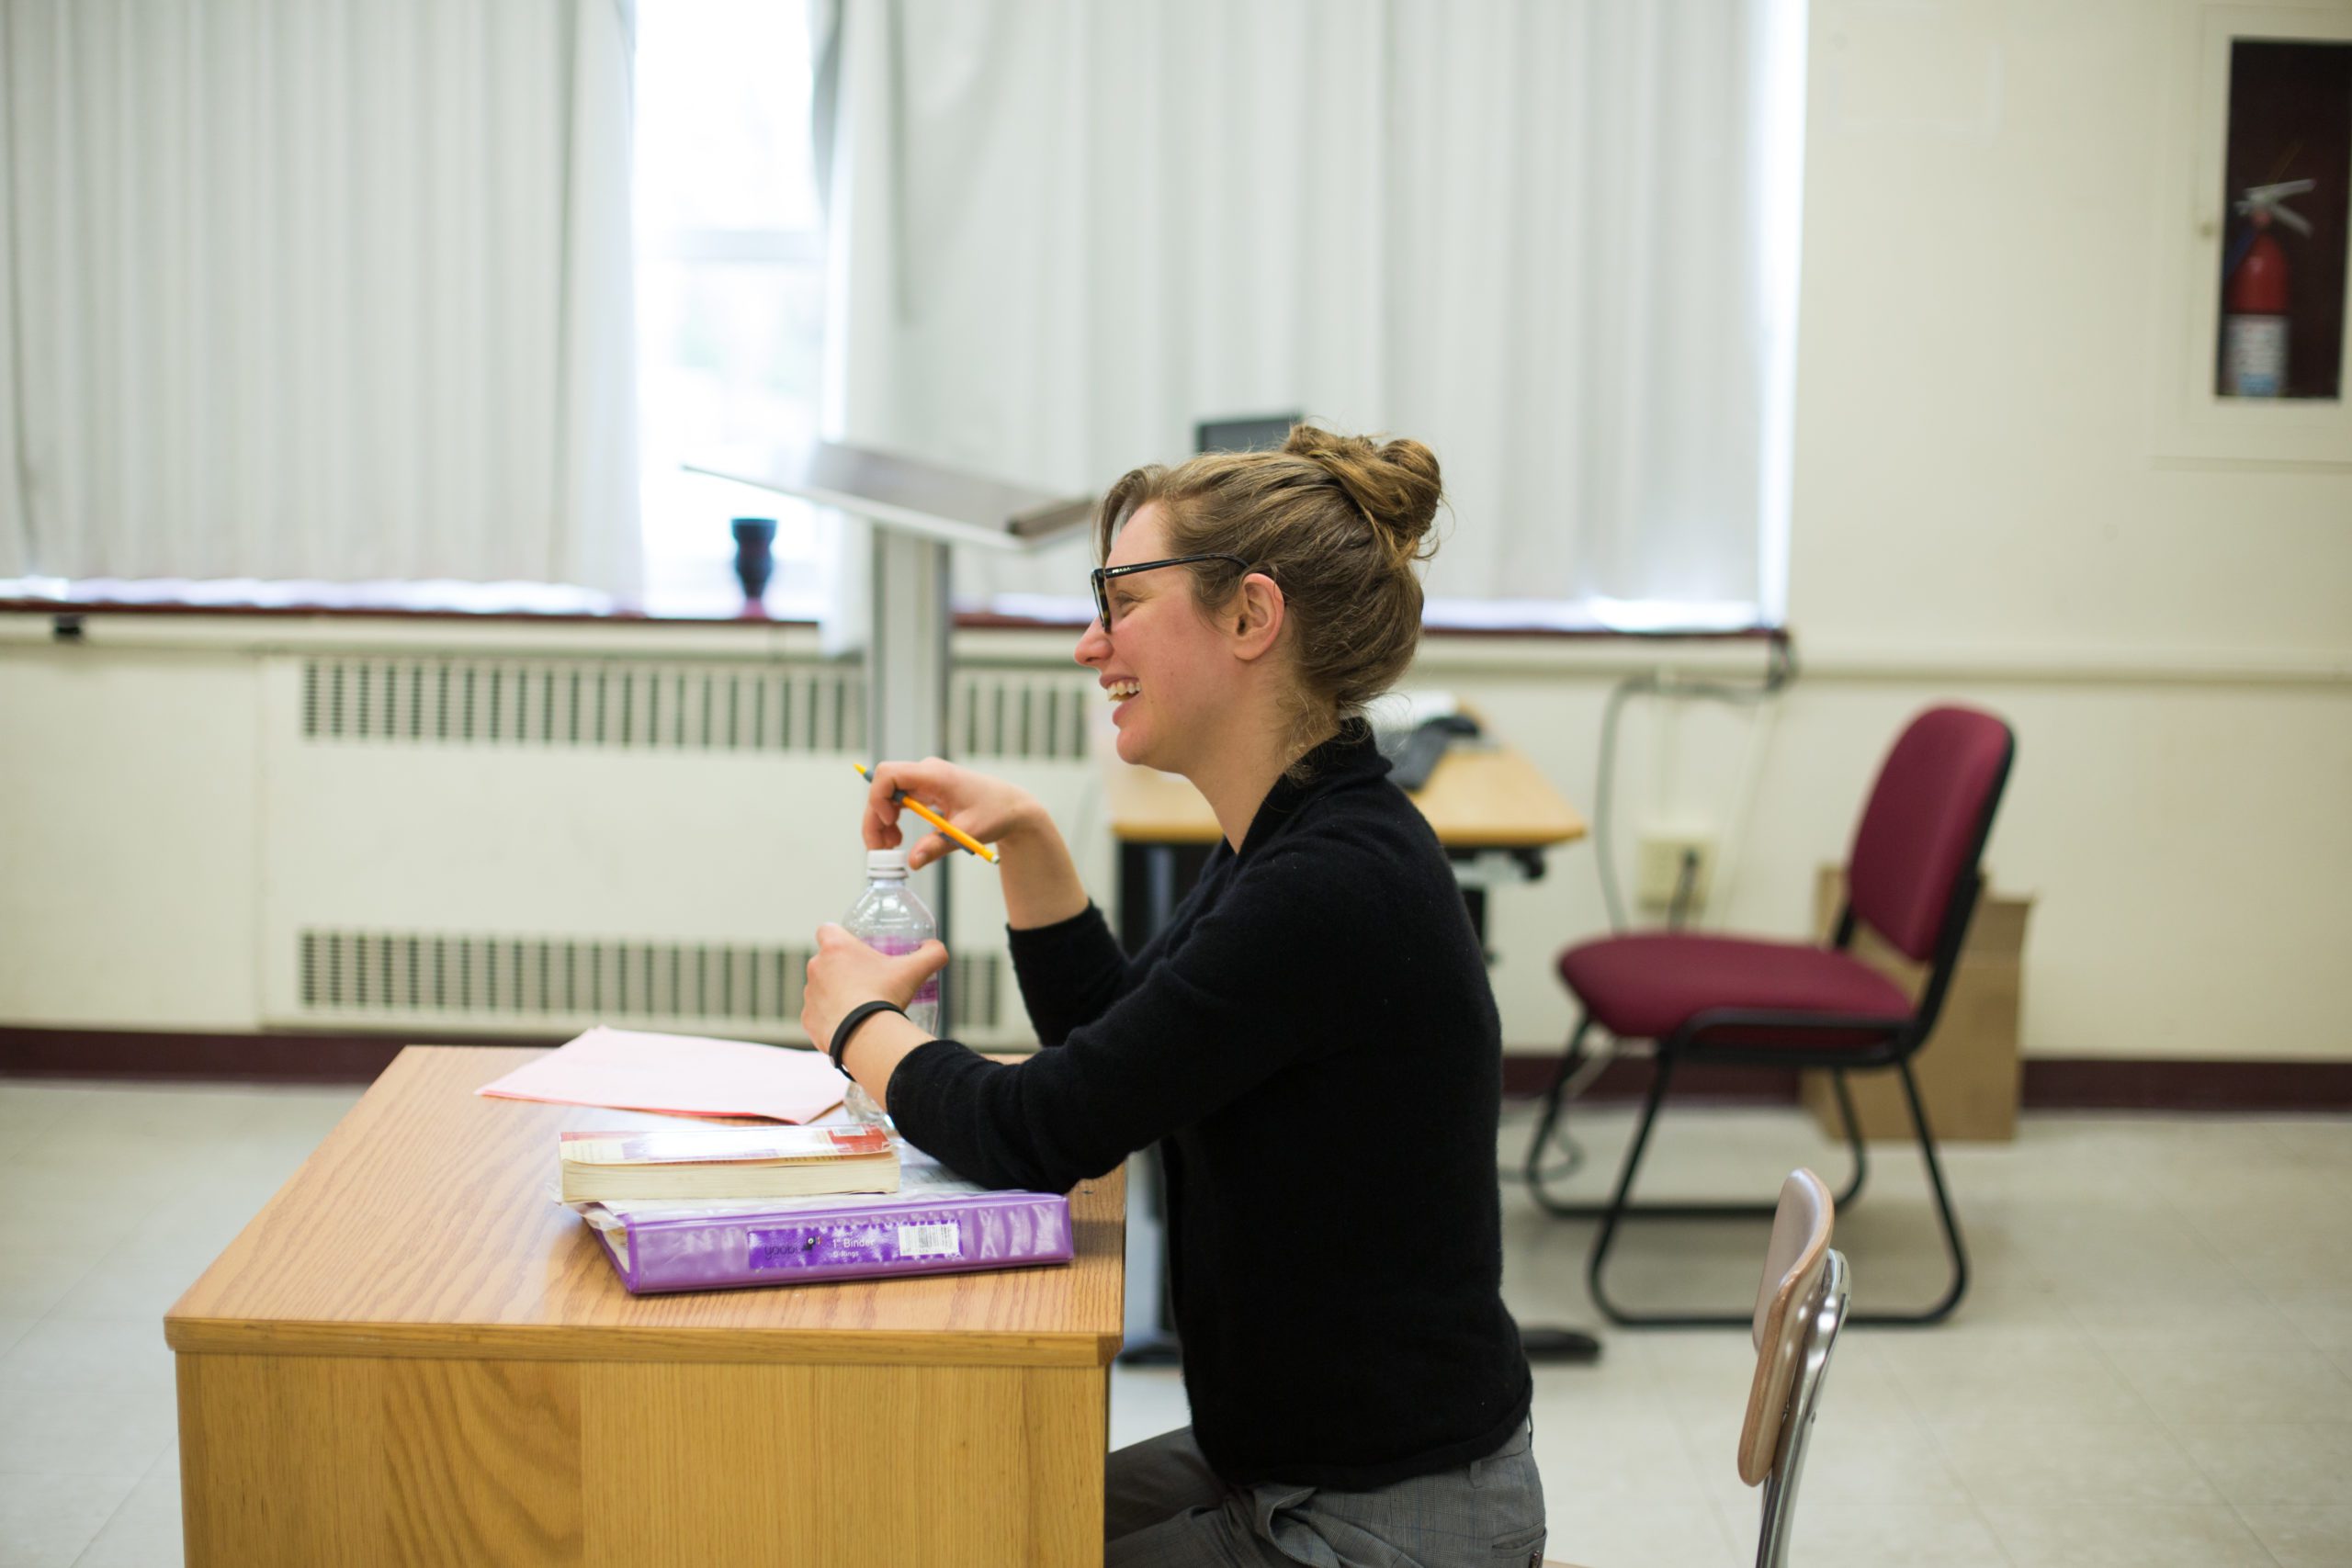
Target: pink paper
<point x="682" y="1073"/>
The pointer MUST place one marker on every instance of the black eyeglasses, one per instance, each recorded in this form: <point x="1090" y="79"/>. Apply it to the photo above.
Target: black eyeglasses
<point x="1101" y="575"/>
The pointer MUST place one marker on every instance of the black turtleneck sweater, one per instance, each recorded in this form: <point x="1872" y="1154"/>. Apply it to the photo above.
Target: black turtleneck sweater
<point x="1314" y="1038"/>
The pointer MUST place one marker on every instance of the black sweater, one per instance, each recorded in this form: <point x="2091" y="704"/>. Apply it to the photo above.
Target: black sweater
<point x="1314" y="1037"/>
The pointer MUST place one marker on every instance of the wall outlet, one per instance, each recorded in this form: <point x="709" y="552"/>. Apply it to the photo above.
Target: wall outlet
<point x="1660" y="854"/>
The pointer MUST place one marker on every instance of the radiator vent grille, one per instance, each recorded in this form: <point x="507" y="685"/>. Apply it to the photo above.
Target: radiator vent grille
<point x="453" y="976"/>
<point x="1011" y="713"/>
<point x="704" y="708"/>
<point x="792" y="708"/>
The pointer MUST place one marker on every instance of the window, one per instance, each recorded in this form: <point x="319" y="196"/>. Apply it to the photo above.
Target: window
<point x="730" y="287"/>
<point x="732" y="304"/>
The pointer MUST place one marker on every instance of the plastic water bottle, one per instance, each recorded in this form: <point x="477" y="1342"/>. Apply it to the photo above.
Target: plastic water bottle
<point x="890" y="918"/>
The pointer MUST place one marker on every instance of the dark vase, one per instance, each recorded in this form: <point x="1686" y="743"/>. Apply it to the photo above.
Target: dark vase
<point x="755" y="555"/>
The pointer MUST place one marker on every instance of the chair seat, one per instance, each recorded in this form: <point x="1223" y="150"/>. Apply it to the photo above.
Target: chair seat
<point x="1646" y="986"/>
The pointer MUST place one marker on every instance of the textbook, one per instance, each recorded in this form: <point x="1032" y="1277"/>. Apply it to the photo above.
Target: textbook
<point x="727" y="1162"/>
<point x="936" y="1224"/>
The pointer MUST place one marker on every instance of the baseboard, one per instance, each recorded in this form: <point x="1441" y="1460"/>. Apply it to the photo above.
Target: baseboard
<point x="2051" y="1083"/>
<point x="2096" y="1083"/>
<point x="1628" y="1077"/>
<point x="162" y="1056"/>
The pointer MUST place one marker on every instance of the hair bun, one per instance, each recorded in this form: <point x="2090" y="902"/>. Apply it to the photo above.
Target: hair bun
<point x="1395" y="483"/>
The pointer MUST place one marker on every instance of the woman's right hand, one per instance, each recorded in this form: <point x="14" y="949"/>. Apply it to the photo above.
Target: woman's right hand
<point x="987" y="809"/>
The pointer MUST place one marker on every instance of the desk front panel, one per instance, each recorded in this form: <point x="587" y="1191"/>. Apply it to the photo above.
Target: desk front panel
<point x="308" y="1460"/>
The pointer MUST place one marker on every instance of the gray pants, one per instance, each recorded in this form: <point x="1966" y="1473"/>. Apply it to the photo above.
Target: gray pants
<point x="1164" y="1508"/>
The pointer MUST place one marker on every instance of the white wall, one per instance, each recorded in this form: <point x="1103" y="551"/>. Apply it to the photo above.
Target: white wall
<point x="1987" y="188"/>
<point x="169" y="828"/>
<point x="1988" y="192"/>
<point x="130" y="816"/>
<point x="2184" y="840"/>
<point x="1980" y="513"/>
<point x="2185" y="843"/>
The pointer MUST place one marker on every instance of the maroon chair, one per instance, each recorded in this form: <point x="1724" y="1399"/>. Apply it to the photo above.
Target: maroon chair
<point x="1912" y="877"/>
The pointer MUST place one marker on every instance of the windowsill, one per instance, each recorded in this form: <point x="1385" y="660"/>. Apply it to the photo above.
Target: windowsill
<point x="556" y="603"/>
<point x="473" y="602"/>
<point x="987" y="620"/>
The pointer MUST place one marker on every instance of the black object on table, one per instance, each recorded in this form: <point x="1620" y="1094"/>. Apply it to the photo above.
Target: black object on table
<point x="1416" y="754"/>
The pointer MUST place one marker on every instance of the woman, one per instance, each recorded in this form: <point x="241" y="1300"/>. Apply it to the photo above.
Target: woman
<point x="1313" y="1036"/>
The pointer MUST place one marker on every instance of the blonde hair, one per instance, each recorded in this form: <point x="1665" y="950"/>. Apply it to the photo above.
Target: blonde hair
<point x="1337" y="521"/>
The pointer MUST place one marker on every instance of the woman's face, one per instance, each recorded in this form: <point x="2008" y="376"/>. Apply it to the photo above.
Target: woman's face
<point x="1165" y="665"/>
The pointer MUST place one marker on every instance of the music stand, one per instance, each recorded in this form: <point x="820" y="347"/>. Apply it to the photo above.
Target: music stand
<point x="919" y="509"/>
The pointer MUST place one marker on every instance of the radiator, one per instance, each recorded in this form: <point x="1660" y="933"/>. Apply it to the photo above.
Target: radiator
<point x="532" y="845"/>
<point x="360" y="978"/>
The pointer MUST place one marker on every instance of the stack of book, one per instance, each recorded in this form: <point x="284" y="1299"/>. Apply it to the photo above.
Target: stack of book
<point x="714" y="1208"/>
<point x="728" y="1162"/>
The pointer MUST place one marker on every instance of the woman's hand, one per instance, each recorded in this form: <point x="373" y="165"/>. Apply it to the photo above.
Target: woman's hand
<point x="987" y="809"/>
<point x="844" y="971"/>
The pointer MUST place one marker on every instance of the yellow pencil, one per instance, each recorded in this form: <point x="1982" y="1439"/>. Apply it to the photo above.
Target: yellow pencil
<point x="935" y="818"/>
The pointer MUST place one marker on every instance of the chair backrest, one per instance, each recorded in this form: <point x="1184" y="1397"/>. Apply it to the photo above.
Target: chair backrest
<point x="1793" y="1261"/>
<point x="1925" y="827"/>
<point x="1800" y="1304"/>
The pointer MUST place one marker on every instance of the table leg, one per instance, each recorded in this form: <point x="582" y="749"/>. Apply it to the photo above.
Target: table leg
<point x="1151" y="1321"/>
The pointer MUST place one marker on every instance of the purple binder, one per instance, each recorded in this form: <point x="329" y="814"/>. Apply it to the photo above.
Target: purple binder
<point x="677" y="1247"/>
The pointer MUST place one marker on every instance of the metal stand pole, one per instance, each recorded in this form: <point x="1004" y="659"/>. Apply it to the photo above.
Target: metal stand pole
<point x="908" y="664"/>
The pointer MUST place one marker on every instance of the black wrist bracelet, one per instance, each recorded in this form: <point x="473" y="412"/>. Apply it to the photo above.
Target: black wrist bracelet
<point x="848" y="1026"/>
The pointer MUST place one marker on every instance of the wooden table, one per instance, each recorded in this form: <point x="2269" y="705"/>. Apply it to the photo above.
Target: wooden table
<point x="1476" y="798"/>
<point x="413" y="1355"/>
<point x="1490" y="805"/>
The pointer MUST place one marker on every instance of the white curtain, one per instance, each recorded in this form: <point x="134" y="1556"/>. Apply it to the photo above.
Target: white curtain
<point x="317" y="289"/>
<point x="1543" y="235"/>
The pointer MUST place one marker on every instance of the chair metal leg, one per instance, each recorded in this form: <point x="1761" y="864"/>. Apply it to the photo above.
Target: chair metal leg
<point x="1854" y="1146"/>
<point x="1567" y="1209"/>
<point x="1615" y="1212"/>
<point x="1554" y="1345"/>
<point x="1958" y="1253"/>
<point x="1619" y="1207"/>
<point x="1570" y="1059"/>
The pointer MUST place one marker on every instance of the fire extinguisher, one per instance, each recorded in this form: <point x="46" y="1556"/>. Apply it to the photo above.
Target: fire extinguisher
<point x="2254" y="294"/>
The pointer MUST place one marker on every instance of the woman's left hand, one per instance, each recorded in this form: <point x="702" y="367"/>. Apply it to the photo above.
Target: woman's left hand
<point x="844" y="971"/>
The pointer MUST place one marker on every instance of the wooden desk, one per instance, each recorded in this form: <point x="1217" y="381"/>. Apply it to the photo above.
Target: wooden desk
<point x="413" y="1355"/>
<point x="1494" y="811"/>
<point x="1476" y="800"/>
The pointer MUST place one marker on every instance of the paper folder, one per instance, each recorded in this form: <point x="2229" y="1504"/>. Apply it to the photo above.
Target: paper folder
<point x="682" y="1073"/>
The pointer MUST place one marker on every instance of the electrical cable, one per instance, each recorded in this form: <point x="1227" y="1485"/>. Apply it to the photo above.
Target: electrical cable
<point x="1578" y="1081"/>
<point x="1780" y="670"/>
<point x="1572" y="1346"/>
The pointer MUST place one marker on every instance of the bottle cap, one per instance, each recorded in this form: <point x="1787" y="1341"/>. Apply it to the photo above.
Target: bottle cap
<point x="886" y="863"/>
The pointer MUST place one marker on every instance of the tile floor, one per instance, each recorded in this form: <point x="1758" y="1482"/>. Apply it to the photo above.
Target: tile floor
<point x="2154" y="1366"/>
